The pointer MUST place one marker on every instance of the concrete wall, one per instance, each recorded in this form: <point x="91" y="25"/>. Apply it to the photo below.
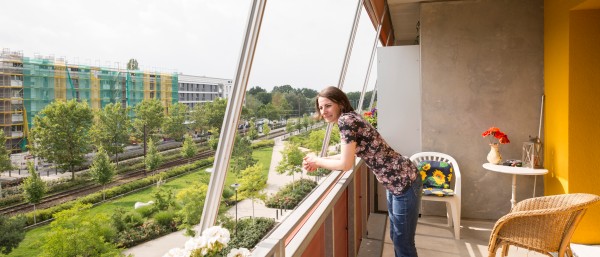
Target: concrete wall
<point x="482" y="66"/>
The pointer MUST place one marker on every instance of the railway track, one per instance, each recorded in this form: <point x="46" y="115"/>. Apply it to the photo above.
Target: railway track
<point x="75" y="193"/>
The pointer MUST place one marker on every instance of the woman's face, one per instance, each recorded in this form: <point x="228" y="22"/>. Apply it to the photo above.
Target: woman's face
<point x="329" y="110"/>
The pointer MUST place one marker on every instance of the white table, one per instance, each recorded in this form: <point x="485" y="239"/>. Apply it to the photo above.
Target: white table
<point x="515" y="171"/>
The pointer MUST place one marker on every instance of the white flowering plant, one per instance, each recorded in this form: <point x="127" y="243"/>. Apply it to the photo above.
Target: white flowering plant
<point x="209" y="244"/>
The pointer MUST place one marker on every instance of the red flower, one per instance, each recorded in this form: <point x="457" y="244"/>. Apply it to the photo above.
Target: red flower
<point x="495" y="132"/>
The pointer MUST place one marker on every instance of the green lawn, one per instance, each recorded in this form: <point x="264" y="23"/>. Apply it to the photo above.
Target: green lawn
<point x="33" y="241"/>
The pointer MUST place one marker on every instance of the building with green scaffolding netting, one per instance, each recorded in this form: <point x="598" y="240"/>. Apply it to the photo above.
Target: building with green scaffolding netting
<point x="27" y="85"/>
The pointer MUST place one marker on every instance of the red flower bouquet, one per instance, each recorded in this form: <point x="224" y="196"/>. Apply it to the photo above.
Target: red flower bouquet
<point x="495" y="132"/>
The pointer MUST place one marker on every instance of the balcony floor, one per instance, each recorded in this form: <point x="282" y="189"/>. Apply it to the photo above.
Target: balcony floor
<point x="435" y="239"/>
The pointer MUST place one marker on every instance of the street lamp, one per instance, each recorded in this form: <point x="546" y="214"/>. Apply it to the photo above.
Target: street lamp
<point x="235" y="188"/>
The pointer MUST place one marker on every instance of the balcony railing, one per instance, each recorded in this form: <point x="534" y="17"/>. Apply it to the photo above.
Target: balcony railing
<point x="330" y="222"/>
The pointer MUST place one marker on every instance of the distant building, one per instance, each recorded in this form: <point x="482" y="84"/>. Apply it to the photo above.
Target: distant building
<point x="27" y="85"/>
<point x="194" y="90"/>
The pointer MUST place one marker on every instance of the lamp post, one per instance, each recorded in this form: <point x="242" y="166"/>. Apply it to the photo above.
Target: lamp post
<point x="235" y="188"/>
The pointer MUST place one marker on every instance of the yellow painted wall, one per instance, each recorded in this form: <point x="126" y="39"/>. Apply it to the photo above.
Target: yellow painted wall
<point x="571" y="61"/>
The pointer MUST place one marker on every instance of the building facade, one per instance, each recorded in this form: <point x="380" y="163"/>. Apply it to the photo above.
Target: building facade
<point x="194" y="90"/>
<point x="27" y="85"/>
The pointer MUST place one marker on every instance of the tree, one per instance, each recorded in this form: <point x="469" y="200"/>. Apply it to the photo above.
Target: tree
<point x="213" y="141"/>
<point x="112" y="128"/>
<point x="34" y="188"/>
<point x="61" y="134"/>
<point x="252" y="131"/>
<point x="149" y="117"/>
<point x="189" y="148"/>
<point x="132" y="64"/>
<point x="255" y="90"/>
<point x="174" y="126"/>
<point x="291" y="161"/>
<point x="266" y="129"/>
<point x="281" y="104"/>
<point x="74" y="234"/>
<point x="5" y="163"/>
<point x="241" y="156"/>
<point x="102" y="170"/>
<point x="12" y="232"/>
<point x="153" y="159"/>
<point x="191" y="201"/>
<point x="209" y="115"/>
<point x="289" y="127"/>
<point x="252" y="181"/>
<point x="315" y="139"/>
<point x="308" y="93"/>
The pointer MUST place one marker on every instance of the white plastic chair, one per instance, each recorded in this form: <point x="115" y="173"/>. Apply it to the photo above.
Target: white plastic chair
<point x="452" y="202"/>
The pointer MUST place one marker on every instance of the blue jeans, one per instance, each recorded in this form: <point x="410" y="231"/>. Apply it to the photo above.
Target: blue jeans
<point x="404" y="214"/>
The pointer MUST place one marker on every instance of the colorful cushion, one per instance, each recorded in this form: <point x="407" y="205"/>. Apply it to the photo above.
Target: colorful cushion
<point x="436" y="176"/>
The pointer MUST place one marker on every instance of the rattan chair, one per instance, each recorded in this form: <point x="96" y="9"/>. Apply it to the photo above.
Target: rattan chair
<point x="542" y="224"/>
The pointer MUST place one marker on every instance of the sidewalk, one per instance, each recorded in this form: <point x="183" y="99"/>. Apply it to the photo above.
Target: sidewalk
<point x="160" y="246"/>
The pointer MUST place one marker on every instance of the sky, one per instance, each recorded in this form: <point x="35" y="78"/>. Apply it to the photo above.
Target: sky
<point x="301" y="43"/>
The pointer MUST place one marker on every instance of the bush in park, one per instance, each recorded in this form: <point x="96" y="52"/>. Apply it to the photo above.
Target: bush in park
<point x="291" y="194"/>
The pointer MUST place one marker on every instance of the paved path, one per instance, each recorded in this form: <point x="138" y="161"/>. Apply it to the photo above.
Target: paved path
<point x="160" y="246"/>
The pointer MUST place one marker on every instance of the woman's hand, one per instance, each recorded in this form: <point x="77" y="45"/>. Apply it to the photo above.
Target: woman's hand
<point x="309" y="163"/>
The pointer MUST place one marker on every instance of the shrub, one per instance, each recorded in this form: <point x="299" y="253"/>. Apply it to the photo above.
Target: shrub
<point x="147" y="211"/>
<point x="132" y="219"/>
<point x="165" y="218"/>
<point x="263" y="143"/>
<point x="249" y="232"/>
<point x="291" y="194"/>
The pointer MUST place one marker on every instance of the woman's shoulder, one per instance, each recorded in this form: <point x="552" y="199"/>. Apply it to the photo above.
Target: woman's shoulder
<point x="349" y="117"/>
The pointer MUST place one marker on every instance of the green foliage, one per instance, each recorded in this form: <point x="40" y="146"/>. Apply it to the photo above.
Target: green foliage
<point x="146" y="211"/>
<point x="34" y="188"/>
<point x="174" y="126"/>
<point x="12" y="233"/>
<point x="209" y="115"/>
<point x="46" y="214"/>
<point x="61" y="134"/>
<point x="189" y="148"/>
<point x="132" y="64"/>
<point x="227" y="193"/>
<point x="153" y="159"/>
<point x="165" y="218"/>
<point x="102" y="170"/>
<point x="149" y="117"/>
<point x="191" y="201"/>
<point x="147" y="231"/>
<point x="5" y="163"/>
<point x="241" y="157"/>
<point x="72" y="235"/>
<point x="263" y="143"/>
<point x="266" y="130"/>
<point x="252" y="131"/>
<point x="213" y="141"/>
<point x="252" y="181"/>
<point x="112" y="128"/>
<point x="163" y="198"/>
<point x="292" y="160"/>
<point x="249" y="233"/>
<point x="132" y="219"/>
<point x="291" y="194"/>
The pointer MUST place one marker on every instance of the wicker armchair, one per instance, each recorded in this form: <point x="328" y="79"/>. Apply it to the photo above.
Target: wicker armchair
<point x="542" y="224"/>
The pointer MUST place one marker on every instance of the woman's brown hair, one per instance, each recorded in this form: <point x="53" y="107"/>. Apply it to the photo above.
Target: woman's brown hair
<point x="335" y="95"/>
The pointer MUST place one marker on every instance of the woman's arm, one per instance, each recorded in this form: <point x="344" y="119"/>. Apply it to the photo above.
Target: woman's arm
<point x="344" y="162"/>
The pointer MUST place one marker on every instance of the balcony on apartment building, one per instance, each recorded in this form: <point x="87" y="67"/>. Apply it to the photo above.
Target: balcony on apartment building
<point x="446" y="72"/>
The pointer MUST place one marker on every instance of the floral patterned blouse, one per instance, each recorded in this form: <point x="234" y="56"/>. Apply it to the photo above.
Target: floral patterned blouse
<point x="394" y="171"/>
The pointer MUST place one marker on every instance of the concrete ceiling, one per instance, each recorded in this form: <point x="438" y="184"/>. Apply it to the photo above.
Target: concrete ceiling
<point x="405" y="15"/>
